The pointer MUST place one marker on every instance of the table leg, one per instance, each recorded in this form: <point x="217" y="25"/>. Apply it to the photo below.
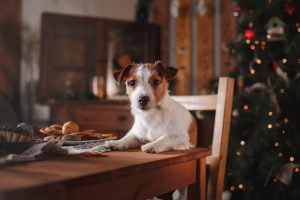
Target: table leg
<point x="198" y="189"/>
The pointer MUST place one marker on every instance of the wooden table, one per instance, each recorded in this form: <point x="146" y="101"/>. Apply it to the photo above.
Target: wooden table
<point x="130" y="174"/>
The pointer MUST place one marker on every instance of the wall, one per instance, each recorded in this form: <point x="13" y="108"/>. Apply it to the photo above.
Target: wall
<point x="31" y="26"/>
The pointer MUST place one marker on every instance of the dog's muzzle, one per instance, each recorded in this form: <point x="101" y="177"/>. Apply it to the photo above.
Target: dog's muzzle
<point x="143" y="101"/>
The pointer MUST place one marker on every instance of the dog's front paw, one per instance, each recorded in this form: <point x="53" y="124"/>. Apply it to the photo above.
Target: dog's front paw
<point x="150" y="148"/>
<point x="115" y="145"/>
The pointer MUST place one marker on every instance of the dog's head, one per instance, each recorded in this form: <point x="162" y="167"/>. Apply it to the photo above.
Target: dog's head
<point x="146" y="84"/>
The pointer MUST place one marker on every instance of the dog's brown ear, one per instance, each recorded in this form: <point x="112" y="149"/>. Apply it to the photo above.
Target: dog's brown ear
<point x="169" y="72"/>
<point x="122" y="74"/>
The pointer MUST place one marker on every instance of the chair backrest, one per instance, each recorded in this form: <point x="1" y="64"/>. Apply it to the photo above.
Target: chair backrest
<point x="222" y="104"/>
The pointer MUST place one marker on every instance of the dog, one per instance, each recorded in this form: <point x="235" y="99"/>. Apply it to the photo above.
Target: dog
<point x="160" y="123"/>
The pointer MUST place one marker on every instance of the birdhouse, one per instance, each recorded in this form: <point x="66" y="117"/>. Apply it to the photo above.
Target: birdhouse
<point x="275" y="29"/>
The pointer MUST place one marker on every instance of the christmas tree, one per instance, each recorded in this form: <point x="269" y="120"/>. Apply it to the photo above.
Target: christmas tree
<point x="264" y="150"/>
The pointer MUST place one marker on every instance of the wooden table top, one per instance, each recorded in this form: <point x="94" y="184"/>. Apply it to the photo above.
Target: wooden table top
<point x="74" y="171"/>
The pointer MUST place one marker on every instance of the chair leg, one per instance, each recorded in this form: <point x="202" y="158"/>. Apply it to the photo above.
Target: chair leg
<point x="198" y="189"/>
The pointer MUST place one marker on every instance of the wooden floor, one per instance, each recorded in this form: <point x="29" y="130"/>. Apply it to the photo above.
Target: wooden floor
<point x="56" y="176"/>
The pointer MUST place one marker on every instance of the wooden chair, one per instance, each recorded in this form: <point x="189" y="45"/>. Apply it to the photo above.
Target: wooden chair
<point x="222" y="104"/>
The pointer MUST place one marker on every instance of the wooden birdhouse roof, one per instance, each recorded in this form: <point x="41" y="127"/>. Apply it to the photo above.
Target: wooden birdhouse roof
<point x="272" y="20"/>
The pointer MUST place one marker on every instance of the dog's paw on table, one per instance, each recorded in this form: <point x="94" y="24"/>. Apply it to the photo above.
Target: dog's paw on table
<point x="115" y="145"/>
<point x="150" y="148"/>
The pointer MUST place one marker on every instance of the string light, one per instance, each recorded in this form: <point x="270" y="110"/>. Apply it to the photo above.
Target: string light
<point x="248" y="41"/>
<point x="263" y="43"/>
<point x="280" y="154"/>
<point x="252" y="47"/>
<point x="263" y="47"/>
<point x="269" y="36"/>
<point x="233" y="51"/>
<point x="232" y="188"/>
<point x="283" y="131"/>
<point x="270" y="113"/>
<point x="269" y="1"/>
<point x="242" y="142"/>
<point x="276" y="144"/>
<point x="252" y="71"/>
<point x="277" y="124"/>
<point x="282" y="91"/>
<point x="292" y="159"/>
<point x="256" y="42"/>
<point x="297" y="24"/>
<point x="270" y="126"/>
<point x="298" y="29"/>
<point x="298" y="60"/>
<point x="245" y="107"/>
<point x="258" y="61"/>
<point x="284" y="60"/>
<point x="297" y="169"/>
<point x="285" y="73"/>
<point x="241" y="186"/>
<point x="286" y="120"/>
<point x="275" y="179"/>
<point x="238" y="8"/>
<point x="238" y="153"/>
<point x="251" y="11"/>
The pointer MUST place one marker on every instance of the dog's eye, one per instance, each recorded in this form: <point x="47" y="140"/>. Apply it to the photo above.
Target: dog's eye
<point x="156" y="82"/>
<point x="132" y="83"/>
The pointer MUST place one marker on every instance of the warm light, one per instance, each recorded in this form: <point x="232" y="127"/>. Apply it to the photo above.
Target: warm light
<point x="277" y="124"/>
<point x="285" y="73"/>
<point x="298" y="60"/>
<point x="298" y="29"/>
<point x="283" y="131"/>
<point x="275" y="179"/>
<point x="269" y="1"/>
<point x="245" y="107"/>
<point x="258" y="61"/>
<point x="233" y="51"/>
<point x="238" y="153"/>
<point x="276" y="144"/>
<point x="270" y="113"/>
<point x="292" y="159"/>
<point x="248" y="41"/>
<point x="252" y="71"/>
<point x="282" y="91"/>
<point x="252" y="47"/>
<point x="241" y="186"/>
<point x="242" y="142"/>
<point x="269" y="36"/>
<point x="284" y="60"/>
<point x="238" y="8"/>
<point x="263" y="47"/>
<point x="297" y="169"/>
<point x="251" y="11"/>
<point x="232" y="188"/>
<point x="286" y="120"/>
<point x="256" y="42"/>
<point x="280" y="154"/>
<point x="270" y="126"/>
<point x="263" y="43"/>
<point x="297" y="24"/>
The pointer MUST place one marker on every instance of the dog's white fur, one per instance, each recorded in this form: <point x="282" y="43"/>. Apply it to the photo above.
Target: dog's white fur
<point x="162" y="127"/>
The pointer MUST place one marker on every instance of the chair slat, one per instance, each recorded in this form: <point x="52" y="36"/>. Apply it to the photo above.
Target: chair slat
<point x="198" y="102"/>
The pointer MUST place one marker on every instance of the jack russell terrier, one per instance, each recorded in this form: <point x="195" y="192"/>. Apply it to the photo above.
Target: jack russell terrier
<point x="160" y="123"/>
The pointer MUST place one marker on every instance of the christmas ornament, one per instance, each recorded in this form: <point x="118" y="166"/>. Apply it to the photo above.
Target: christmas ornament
<point x="174" y="8"/>
<point x="202" y="8"/>
<point x="286" y="173"/>
<point x="250" y="33"/>
<point x="290" y="8"/>
<point x="279" y="71"/>
<point x="275" y="29"/>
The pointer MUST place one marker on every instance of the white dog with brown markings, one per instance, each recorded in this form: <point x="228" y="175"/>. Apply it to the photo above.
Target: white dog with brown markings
<point x="160" y="123"/>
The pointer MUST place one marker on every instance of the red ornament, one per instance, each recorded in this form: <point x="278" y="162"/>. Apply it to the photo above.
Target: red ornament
<point x="250" y="33"/>
<point x="290" y="8"/>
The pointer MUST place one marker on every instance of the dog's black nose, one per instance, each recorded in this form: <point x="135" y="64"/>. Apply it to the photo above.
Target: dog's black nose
<point x="143" y="100"/>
